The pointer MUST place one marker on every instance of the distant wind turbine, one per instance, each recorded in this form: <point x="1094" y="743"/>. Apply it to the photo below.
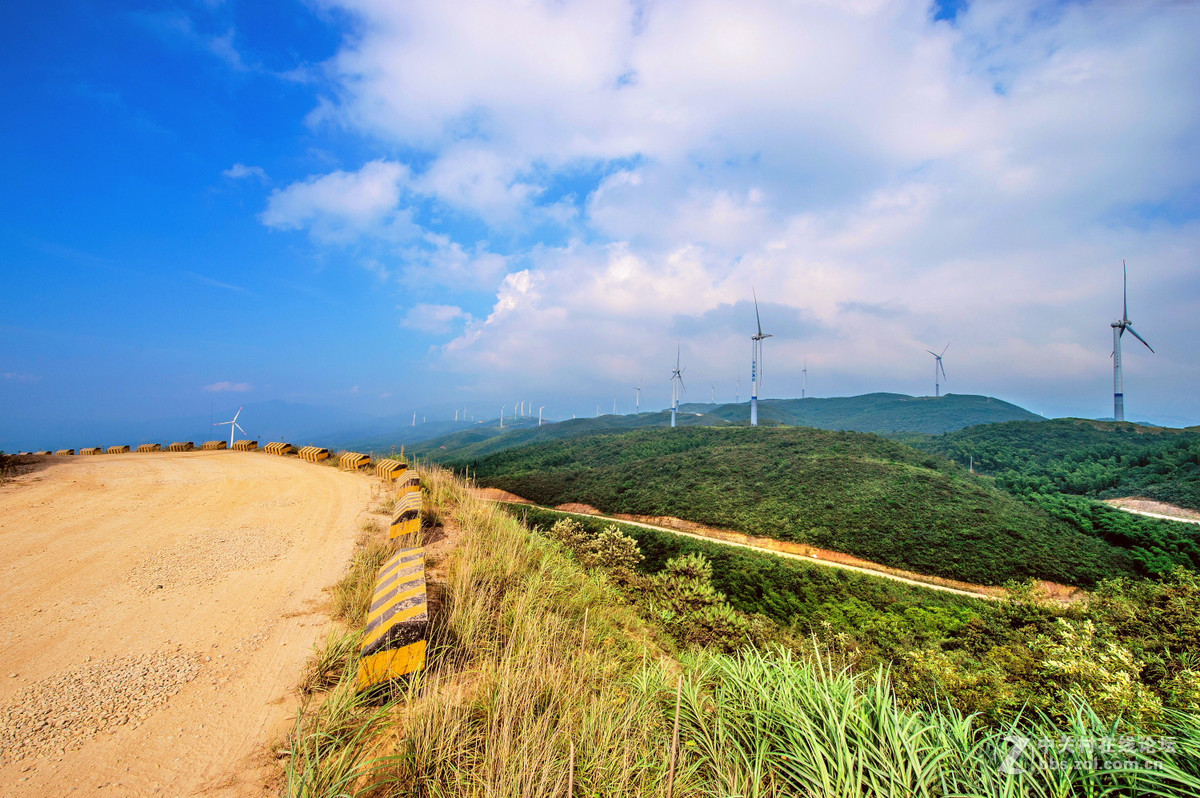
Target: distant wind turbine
<point x="676" y="386"/>
<point x="737" y="394"/>
<point x="234" y="425"/>
<point x="937" y="365"/>
<point x="540" y="409"/>
<point x="804" y="384"/>
<point x="1119" y="328"/>
<point x="714" y="392"/>
<point x="637" y="407"/>
<point x="756" y="363"/>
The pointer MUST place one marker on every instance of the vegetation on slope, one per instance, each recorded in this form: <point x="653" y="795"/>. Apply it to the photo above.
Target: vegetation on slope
<point x="845" y="491"/>
<point x="882" y="413"/>
<point x="1060" y="465"/>
<point x="544" y="681"/>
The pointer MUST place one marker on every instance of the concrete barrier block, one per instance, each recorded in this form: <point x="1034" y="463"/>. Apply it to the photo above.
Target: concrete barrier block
<point x="398" y="621"/>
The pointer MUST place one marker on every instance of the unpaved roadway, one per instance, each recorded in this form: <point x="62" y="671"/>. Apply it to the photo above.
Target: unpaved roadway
<point x="156" y="611"/>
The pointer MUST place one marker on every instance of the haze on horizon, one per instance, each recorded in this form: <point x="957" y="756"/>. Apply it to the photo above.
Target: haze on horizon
<point x="387" y="208"/>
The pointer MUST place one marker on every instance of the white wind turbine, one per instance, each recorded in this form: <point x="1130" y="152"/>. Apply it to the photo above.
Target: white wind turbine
<point x="937" y="365"/>
<point x="1119" y="328"/>
<point x="234" y="425"/>
<point x="804" y="384"/>
<point x="637" y="407"/>
<point x="756" y="363"/>
<point x="540" y="409"/>
<point x="676" y="386"/>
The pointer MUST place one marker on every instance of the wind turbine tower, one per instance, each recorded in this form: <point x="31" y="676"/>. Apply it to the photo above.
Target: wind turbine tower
<point x="1119" y="328"/>
<point x="676" y="387"/>
<point x="234" y="425"/>
<point x="804" y="384"/>
<point x="756" y="363"/>
<point x="540" y="409"/>
<point x="637" y="406"/>
<point x="937" y="365"/>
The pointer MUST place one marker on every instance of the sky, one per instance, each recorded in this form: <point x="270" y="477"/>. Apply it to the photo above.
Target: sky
<point x="387" y="208"/>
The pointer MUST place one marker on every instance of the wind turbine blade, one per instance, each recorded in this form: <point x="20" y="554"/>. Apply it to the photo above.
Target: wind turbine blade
<point x="1140" y="338"/>
<point x="1125" y="293"/>
<point x="238" y="413"/>
<point x="943" y="368"/>
<point x="944" y="351"/>
<point x="239" y="426"/>
<point x="935" y="354"/>
<point x="757" y="318"/>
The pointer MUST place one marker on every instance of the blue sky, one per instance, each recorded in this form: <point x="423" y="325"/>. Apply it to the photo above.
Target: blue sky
<point x="387" y="207"/>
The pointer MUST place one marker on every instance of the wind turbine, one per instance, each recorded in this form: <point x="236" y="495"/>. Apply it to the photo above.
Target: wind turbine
<point x="1119" y="328"/>
<point x="501" y="416"/>
<point x="540" y="409"/>
<point x="637" y="407"/>
<point x="737" y="394"/>
<point x="937" y="364"/>
<point x="804" y="371"/>
<point x="755" y="363"/>
<point x="676" y="386"/>
<point x="714" y="392"/>
<point x="234" y="425"/>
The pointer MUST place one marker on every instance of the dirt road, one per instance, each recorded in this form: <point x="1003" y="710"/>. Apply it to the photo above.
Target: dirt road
<point x="156" y="611"/>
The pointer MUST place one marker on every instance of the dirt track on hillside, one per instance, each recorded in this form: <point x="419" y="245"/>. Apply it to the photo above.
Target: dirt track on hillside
<point x="156" y="611"/>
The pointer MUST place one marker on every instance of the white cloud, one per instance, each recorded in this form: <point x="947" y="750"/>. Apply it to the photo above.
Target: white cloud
<point x="226" y="386"/>
<point x="16" y="377"/>
<point x="982" y="179"/>
<point x="436" y="319"/>
<point x="239" y="171"/>
<point x="342" y="206"/>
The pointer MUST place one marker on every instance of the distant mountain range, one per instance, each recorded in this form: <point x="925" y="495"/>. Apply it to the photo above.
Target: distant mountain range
<point x="881" y="413"/>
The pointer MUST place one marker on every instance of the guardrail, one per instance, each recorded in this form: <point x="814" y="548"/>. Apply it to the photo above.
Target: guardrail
<point x="352" y="461"/>
<point x="314" y="454"/>
<point x="389" y="469"/>
<point x="397" y="622"/>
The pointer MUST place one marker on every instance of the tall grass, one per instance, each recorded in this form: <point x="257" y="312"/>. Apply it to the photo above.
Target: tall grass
<point x="773" y="724"/>
<point x="542" y="681"/>
<point x="540" y="678"/>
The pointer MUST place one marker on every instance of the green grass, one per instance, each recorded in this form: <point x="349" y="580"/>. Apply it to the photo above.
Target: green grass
<point x="543" y="681"/>
<point x="849" y="492"/>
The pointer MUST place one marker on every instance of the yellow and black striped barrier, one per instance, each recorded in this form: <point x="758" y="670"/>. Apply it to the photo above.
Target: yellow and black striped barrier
<point x="279" y="447"/>
<point x="91" y="450"/>
<point x="397" y="623"/>
<point x="212" y="446"/>
<point x="407" y="518"/>
<point x="245" y="446"/>
<point x="44" y="451"/>
<point x="389" y="469"/>
<point x="352" y="461"/>
<point x="408" y="481"/>
<point x="65" y="451"/>
<point x="150" y="447"/>
<point x="116" y="449"/>
<point x="181" y="446"/>
<point x="314" y="454"/>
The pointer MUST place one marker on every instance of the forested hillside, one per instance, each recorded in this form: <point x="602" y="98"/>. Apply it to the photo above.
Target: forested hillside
<point x="1062" y="465"/>
<point x="846" y="491"/>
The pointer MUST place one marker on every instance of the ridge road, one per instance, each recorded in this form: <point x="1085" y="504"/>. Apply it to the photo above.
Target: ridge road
<point x="157" y="612"/>
<point x="785" y="554"/>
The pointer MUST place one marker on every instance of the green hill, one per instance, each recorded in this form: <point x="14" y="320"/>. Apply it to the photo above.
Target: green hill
<point x="482" y="441"/>
<point x="883" y="413"/>
<point x="855" y="493"/>
<point x="1063" y="465"/>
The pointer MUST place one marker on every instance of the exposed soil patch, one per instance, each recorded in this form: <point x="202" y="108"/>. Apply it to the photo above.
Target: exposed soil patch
<point x="1154" y="508"/>
<point x="497" y="495"/>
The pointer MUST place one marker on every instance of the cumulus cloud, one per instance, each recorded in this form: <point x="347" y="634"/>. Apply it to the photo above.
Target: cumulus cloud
<point x="887" y="179"/>
<point x="226" y="386"/>
<point x="342" y="206"/>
